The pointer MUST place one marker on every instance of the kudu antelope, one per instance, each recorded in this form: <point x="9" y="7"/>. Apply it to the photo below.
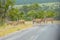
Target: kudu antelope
<point x="38" y="20"/>
<point x="21" y="22"/>
<point x="49" y="20"/>
<point x="44" y="20"/>
<point x="12" y="23"/>
<point x="15" y="22"/>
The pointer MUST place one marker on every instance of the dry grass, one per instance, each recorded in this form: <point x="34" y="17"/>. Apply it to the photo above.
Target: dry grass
<point x="6" y="29"/>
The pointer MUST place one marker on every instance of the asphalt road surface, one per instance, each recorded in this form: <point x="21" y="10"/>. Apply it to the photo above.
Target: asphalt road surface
<point x="38" y="32"/>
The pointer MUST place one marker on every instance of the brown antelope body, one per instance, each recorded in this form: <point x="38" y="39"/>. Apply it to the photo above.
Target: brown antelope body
<point x="21" y="21"/>
<point x="49" y="20"/>
<point x="16" y="22"/>
<point x="37" y="20"/>
<point x="12" y="23"/>
<point x="44" y="20"/>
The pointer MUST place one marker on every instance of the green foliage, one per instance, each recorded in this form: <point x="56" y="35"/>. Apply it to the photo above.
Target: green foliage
<point x="21" y="15"/>
<point x="4" y="8"/>
<point x="32" y="14"/>
<point x="29" y="12"/>
<point x="13" y="14"/>
<point x="41" y="14"/>
<point x="50" y="14"/>
<point x="34" y="6"/>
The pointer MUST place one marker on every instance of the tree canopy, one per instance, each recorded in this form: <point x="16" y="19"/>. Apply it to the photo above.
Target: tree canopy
<point x="26" y="12"/>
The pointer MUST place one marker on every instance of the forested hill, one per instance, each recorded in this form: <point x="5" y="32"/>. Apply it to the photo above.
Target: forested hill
<point x="35" y="1"/>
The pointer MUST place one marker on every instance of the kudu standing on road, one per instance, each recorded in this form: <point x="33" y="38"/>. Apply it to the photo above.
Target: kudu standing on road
<point x="44" y="20"/>
<point x="49" y="20"/>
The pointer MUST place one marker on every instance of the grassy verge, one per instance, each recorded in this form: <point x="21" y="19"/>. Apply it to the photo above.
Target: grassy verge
<point x="6" y="29"/>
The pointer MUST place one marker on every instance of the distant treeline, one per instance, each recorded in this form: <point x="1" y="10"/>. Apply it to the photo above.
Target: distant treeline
<point x="30" y="12"/>
<point x="33" y="11"/>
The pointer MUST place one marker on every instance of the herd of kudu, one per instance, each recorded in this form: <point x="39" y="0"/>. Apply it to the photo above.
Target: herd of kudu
<point x="45" y="20"/>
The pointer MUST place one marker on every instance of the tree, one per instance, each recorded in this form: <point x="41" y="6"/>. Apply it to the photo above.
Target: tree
<point x="13" y="14"/>
<point x="25" y="8"/>
<point x="41" y="14"/>
<point x="21" y="15"/>
<point x="32" y="14"/>
<point x="50" y="14"/>
<point x="4" y="5"/>
<point x="34" y="6"/>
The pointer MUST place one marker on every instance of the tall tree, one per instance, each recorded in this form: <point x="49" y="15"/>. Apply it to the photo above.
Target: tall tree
<point x="34" y="6"/>
<point x="13" y="14"/>
<point x="50" y="14"/>
<point x="4" y="7"/>
<point x="21" y="15"/>
<point x="41" y="14"/>
<point x="32" y="14"/>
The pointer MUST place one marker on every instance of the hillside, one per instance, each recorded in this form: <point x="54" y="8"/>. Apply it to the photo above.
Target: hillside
<point x="35" y="1"/>
<point x="55" y="6"/>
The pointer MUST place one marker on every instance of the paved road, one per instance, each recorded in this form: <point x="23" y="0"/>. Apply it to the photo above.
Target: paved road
<point x="38" y="32"/>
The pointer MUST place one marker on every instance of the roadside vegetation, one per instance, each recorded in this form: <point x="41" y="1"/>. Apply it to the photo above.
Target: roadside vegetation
<point x="27" y="13"/>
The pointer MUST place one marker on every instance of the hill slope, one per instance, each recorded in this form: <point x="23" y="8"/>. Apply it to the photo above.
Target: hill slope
<point x="34" y="1"/>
